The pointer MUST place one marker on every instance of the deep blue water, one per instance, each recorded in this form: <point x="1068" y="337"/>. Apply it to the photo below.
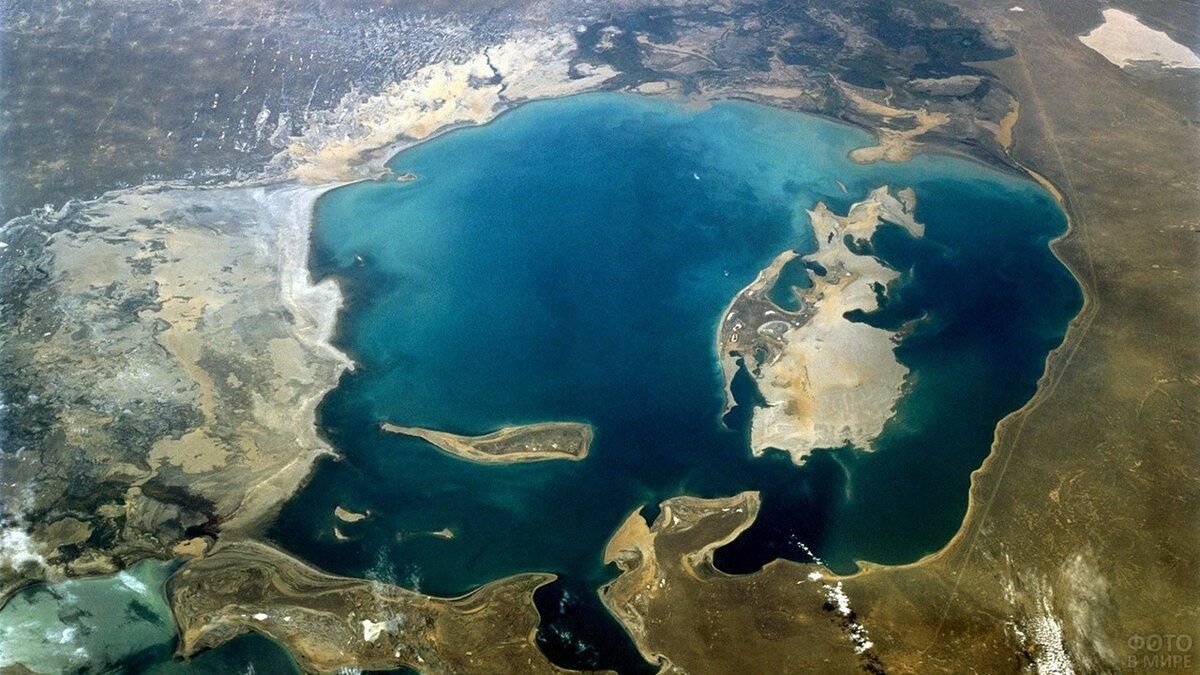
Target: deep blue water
<point x="570" y="261"/>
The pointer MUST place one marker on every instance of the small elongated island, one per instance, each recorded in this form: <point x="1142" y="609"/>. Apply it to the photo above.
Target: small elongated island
<point x="510" y="445"/>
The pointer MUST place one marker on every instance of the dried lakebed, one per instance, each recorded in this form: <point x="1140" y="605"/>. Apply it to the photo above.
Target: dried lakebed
<point x="576" y="259"/>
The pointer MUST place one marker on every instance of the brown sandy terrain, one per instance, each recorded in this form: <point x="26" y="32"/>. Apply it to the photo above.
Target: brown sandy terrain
<point x="894" y="145"/>
<point x="188" y="381"/>
<point x="1080" y="542"/>
<point x="1081" y="534"/>
<point x="691" y="618"/>
<point x="332" y="623"/>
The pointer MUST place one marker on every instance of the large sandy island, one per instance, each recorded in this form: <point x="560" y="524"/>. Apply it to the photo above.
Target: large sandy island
<point x="827" y="381"/>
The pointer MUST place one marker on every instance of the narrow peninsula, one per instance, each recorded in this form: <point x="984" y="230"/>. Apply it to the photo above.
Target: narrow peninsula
<point x="510" y="445"/>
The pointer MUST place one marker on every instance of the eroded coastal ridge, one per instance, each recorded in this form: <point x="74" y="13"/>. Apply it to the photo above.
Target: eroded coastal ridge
<point x="826" y="380"/>
<point x="509" y="445"/>
<point x="334" y="623"/>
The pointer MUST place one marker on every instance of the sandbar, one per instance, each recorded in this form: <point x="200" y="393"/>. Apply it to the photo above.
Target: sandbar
<point x="510" y="445"/>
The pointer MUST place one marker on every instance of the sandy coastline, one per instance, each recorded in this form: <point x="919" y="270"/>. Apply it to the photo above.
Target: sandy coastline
<point x="287" y="204"/>
<point x="509" y="445"/>
<point x="290" y="202"/>
<point x="1054" y="365"/>
<point x="666" y="564"/>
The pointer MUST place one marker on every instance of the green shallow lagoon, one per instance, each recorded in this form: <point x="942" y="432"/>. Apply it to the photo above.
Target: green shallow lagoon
<point x="570" y="261"/>
<point x="117" y="624"/>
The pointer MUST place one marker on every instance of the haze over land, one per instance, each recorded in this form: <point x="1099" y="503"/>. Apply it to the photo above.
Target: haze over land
<point x="183" y="357"/>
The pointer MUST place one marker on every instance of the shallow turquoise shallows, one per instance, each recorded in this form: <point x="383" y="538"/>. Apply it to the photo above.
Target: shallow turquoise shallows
<point x="117" y="624"/>
<point x="570" y="261"/>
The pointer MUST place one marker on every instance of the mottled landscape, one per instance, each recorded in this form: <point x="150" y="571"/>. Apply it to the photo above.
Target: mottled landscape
<point x="164" y="350"/>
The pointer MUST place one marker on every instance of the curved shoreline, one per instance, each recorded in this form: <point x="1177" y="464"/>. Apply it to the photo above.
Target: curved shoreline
<point x="290" y="203"/>
<point x="376" y="159"/>
<point x="1044" y="386"/>
<point x="1044" y="568"/>
<point x="1055" y="364"/>
<point x="640" y="569"/>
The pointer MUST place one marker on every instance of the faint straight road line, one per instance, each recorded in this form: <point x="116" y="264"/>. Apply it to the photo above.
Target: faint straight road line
<point x="1080" y="328"/>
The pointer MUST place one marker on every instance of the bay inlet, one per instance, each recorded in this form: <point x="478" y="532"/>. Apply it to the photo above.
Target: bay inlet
<point x="570" y="262"/>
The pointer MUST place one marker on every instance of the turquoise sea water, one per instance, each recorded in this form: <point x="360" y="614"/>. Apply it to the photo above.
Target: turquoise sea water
<point x="117" y="624"/>
<point x="77" y="624"/>
<point x="570" y="261"/>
